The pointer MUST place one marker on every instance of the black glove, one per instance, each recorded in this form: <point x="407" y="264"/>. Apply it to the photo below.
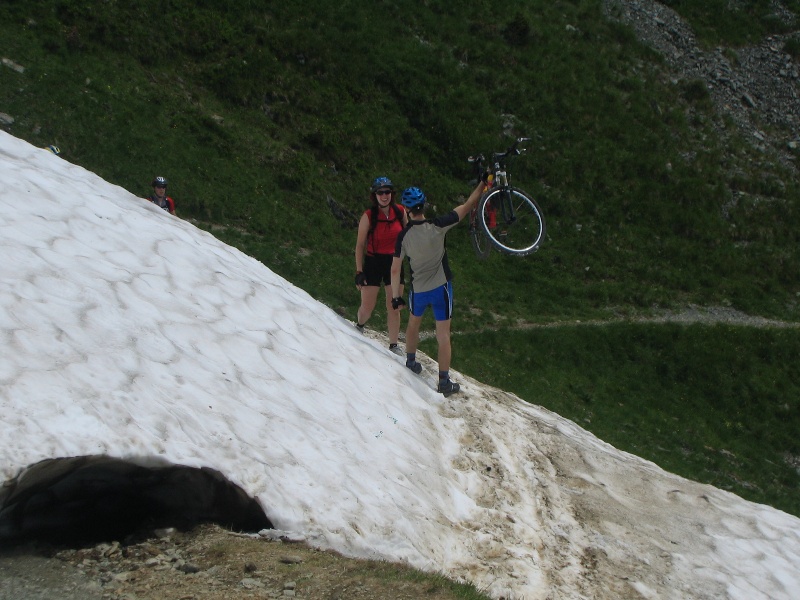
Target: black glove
<point x="361" y="279"/>
<point x="398" y="302"/>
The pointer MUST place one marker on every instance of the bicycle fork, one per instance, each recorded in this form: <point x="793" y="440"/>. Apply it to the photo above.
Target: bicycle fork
<point x="506" y="204"/>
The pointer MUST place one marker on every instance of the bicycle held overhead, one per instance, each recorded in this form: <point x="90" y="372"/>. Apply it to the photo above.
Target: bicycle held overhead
<point x="506" y="218"/>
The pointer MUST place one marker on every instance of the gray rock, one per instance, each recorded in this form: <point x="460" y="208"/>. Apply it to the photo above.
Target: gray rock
<point x="12" y="65"/>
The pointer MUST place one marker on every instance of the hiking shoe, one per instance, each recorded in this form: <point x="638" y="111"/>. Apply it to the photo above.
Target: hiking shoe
<point x="415" y="366"/>
<point x="396" y="349"/>
<point x="448" y="387"/>
<point x="360" y="327"/>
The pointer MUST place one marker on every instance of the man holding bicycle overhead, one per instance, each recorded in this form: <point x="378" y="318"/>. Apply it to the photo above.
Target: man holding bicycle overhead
<point x="423" y="243"/>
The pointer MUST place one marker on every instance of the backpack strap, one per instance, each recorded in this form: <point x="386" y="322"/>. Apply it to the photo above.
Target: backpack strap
<point x="399" y="213"/>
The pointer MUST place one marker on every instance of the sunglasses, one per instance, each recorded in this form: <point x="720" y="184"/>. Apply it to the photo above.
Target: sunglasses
<point x="383" y="193"/>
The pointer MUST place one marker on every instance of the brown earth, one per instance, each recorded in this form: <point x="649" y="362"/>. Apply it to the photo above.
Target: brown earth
<point x="208" y="563"/>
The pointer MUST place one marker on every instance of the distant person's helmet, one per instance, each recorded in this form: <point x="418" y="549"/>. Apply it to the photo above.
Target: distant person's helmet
<point x="54" y="149"/>
<point x="413" y="197"/>
<point x="159" y="181"/>
<point x="380" y="183"/>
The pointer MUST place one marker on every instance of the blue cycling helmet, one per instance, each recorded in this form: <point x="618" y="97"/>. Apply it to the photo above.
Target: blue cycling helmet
<point x="413" y="197"/>
<point x="54" y="149"/>
<point x="381" y="182"/>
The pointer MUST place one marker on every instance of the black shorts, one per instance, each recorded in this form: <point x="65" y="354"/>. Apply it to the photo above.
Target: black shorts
<point x="378" y="269"/>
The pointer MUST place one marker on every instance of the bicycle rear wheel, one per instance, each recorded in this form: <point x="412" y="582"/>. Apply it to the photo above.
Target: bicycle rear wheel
<point x="480" y="241"/>
<point x="512" y="221"/>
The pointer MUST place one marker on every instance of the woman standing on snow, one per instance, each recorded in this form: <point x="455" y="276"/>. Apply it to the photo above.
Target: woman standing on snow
<point x="377" y="234"/>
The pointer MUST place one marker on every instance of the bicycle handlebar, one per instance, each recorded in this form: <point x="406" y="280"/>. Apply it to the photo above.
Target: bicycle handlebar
<point x="513" y="150"/>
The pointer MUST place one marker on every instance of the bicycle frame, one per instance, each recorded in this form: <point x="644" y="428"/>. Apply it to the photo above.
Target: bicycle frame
<point x="499" y="175"/>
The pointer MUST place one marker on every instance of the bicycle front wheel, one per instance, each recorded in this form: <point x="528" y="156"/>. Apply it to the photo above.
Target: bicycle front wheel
<point x="512" y="221"/>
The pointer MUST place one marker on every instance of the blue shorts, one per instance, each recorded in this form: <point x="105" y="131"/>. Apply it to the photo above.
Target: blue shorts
<point x="440" y="299"/>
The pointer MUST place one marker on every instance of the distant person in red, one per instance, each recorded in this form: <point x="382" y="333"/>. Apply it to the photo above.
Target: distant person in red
<point x="160" y="197"/>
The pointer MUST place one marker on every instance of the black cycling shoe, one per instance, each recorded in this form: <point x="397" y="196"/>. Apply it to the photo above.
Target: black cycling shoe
<point x="448" y="387"/>
<point x="415" y="366"/>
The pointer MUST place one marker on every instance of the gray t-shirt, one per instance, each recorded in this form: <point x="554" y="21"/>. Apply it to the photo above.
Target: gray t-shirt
<point x="423" y="243"/>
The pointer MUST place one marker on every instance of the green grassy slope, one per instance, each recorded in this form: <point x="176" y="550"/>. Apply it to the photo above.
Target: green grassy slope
<point x="261" y="113"/>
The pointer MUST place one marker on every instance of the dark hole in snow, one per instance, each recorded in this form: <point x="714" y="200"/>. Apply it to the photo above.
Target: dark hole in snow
<point x="91" y="499"/>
